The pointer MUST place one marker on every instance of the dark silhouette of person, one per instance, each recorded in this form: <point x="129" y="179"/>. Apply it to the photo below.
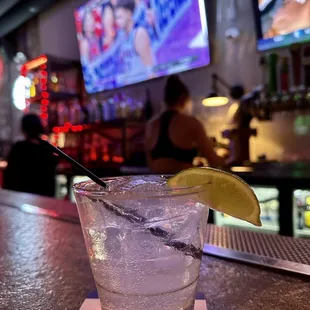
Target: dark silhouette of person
<point x="31" y="167"/>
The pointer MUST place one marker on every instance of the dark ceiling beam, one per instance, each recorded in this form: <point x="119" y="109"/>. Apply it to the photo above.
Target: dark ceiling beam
<point x="6" y="5"/>
<point x="20" y="13"/>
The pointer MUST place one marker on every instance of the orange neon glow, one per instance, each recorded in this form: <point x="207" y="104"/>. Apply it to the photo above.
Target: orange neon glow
<point x="35" y="63"/>
<point x="106" y="158"/>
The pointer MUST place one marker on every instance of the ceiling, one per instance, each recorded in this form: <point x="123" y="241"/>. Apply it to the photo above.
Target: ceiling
<point x="13" y="13"/>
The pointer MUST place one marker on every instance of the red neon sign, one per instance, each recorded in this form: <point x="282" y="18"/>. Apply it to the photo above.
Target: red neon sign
<point x="44" y="115"/>
<point x="45" y="94"/>
<point x="43" y="81"/>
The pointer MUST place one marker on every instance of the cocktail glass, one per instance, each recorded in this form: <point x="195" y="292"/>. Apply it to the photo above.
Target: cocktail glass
<point x="144" y="241"/>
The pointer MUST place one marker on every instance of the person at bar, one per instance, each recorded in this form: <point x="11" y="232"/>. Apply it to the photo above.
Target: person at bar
<point x="174" y="138"/>
<point x="31" y="167"/>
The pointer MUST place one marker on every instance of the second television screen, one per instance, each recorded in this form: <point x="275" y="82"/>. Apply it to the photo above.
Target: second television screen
<point x="282" y="23"/>
<point x="123" y="42"/>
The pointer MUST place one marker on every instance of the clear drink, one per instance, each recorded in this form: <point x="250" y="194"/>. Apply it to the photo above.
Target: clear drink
<point x="144" y="242"/>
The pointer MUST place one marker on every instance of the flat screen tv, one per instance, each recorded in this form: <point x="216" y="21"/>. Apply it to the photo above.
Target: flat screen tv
<point x="281" y="23"/>
<point x="123" y="42"/>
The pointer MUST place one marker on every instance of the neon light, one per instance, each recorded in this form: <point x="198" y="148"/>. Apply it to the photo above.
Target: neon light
<point x="44" y="115"/>
<point x="43" y="81"/>
<point x="43" y="67"/>
<point x="93" y="156"/>
<point x="106" y="158"/>
<point x="32" y="91"/>
<point x="43" y="108"/>
<point x="35" y="63"/>
<point x="18" y="93"/>
<point x="43" y="72"/>
<point x="23" y="71"/>
<point x="44" y="101"/>
<point x="118" y="159"/>
<point x="67" y="125"/>
<point x="43" y="87"/>
<point x="45" y="94"/>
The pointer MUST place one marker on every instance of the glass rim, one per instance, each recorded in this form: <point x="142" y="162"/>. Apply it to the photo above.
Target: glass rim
<point x="79" y="188"/>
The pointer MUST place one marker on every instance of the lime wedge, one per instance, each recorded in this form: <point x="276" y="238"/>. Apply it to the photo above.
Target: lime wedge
<point x="224" y="192"/>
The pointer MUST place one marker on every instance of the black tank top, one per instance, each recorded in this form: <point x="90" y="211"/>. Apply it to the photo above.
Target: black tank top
<point x="164" y="147"/>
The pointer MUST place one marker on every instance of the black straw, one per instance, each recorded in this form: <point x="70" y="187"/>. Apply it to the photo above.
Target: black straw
<point x="130" y="215"/>
<point x="74" y="163"/>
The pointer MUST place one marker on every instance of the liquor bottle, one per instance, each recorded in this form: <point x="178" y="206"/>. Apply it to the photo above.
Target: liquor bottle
<point x="272" y="80"/>
<point x="296" y="65"/>
<point x="306" y="62"/>
<point x="148" y="108"/>
<point x="284" y="75"/>
<point x="307" y="216"/>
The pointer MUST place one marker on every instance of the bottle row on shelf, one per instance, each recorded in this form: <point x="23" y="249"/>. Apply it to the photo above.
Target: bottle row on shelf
<point x="38" y="82"/>
<point x="93" y="149"/>
<point x="94" y="110"/>
<point x="262" y="104"/>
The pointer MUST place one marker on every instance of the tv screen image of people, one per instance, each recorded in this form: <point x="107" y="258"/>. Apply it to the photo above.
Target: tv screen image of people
<point x="124" y="42"/>
<point x="282" y="22"/>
